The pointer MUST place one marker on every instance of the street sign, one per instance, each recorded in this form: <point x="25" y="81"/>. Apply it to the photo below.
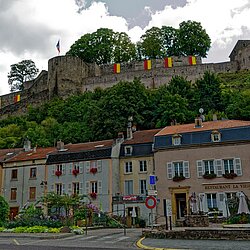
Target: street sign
<point x="169" y="207"/>
<point x="150" y="202"/>
<point x="152" y="179"/>
<point x="152" y="192"/>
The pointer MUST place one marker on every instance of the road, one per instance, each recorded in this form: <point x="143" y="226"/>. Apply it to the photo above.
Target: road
<point x="95" y="239"/>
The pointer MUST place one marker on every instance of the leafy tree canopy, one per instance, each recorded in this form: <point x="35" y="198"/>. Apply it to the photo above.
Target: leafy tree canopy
<point x="104" y="46"/>
<point x="21" y="72"/>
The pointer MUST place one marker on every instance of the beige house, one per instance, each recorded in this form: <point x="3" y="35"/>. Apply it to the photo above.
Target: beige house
<point x="201" y="165"/>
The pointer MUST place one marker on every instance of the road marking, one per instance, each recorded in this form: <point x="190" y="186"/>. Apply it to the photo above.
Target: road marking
<point x="16" y="242"/>
<point x="88" y="237"/>
<point x="116" y="240"/>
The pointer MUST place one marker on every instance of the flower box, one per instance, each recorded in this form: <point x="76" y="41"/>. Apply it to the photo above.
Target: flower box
<point x="75" y="172"/>
<point x="178" y="178"/>
<point x="93" y="195"/>
<point x="209" y="176"/>
<point x="229" y="175"/>
<point x="93" y="170"/>
<point x="58" y="173"/>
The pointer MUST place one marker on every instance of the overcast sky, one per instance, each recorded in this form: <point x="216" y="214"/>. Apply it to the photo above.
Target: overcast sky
<point x="30" y="29"/>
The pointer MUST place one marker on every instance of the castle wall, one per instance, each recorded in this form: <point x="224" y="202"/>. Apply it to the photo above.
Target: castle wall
<point x="69" y="76"/>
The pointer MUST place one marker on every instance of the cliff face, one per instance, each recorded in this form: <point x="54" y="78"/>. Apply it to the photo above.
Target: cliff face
<point x="69" y="75"/>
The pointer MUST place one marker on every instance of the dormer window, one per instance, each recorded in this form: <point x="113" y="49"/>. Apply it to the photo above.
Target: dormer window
<point x="216" y="136"/>
<point x="128" y="150"/>
<point x="176" y="139"/>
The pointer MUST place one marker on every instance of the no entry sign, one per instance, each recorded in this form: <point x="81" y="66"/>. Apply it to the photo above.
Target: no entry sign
<point x="150" y="202"/>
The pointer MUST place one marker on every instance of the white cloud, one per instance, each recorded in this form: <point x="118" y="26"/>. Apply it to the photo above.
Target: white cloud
<point x="30" y="29"/>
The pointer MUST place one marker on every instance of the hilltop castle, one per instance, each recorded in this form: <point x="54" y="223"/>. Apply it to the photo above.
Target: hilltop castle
<point x="69" y="75"/>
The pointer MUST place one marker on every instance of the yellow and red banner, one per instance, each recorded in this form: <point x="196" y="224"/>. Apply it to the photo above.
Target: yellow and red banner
<point x="147" y="64"/>
<point x="17" y="98"/>
<point x="117" y="68"/>
<point x="168" y="62"/>
<point x="192" y="60"/>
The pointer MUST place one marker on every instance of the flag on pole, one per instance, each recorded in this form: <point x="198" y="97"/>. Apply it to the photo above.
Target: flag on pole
<point x="117" y="68"/>
<point x="192" y="60"/>
<point x="58" y="46"/>
<point x="168" y="62"/>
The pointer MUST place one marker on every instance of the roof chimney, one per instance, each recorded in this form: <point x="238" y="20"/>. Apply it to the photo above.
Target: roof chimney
<point x="27" y="145"/>
<point x="129" y="128"/>
<point x="60" y="145"/>
<point x="214" y="117"/>
<point x="198" y="122"/>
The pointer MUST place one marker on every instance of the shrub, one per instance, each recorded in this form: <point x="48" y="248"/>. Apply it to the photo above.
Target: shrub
<point x="4" y="210"/>
<point x="2" y="229"/>
<point x="239" y="219"/>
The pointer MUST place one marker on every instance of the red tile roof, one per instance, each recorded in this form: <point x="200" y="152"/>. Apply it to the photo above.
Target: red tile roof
<point x="144" y="136"/>
<point x="38" y="153"/>
<point x="8" y="153"/>
<point x="210" y="125"/>
<point x="88" y="146"/>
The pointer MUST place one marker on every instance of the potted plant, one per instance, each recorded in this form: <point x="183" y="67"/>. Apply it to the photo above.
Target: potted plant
<point x="179" y="177"/>
<point x="209" y="176"/>
<point x="93" y="170"/>
<point x="93" y="195"/>
<point x="75" y="172"/>
<point x="229" y="175"/>
<point x="58" y="173"/>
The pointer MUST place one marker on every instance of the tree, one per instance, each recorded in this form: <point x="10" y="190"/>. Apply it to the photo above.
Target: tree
<point x="4" y="210"/>
<point x="104" y="46"/>
<point x="192" y="39"/>
<point x="21" y="72"/>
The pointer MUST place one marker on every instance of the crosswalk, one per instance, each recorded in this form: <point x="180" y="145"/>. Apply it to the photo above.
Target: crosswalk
<point x="107" y="239"/>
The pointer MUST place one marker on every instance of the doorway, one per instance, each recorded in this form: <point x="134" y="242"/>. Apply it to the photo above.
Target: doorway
<point x="181" y="205"/>
<point x="13" y="212"/>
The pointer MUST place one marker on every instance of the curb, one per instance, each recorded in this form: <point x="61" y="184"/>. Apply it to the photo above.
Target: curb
<point x="140" y="245"/>
<point x="34" y="236"/>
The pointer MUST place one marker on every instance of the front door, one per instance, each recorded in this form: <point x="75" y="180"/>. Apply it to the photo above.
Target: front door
<point x="181" y="205"/>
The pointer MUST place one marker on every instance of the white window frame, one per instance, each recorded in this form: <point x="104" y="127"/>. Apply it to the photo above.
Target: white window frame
<point x="230" y="167"/>
<point x="216" y="136"/>
<point x="128" y="167"/>
<point x="94" y="187"/>
<point x="176" y="140"/>
<point x="128" y="150"/>
<point x="143" y="165"/>
<point x="143" y="186"/>
<point x="214" y="202"/>
<point x="127" y="192"/>
<point x="177" y="166"/>
<point x="210" y="167"/>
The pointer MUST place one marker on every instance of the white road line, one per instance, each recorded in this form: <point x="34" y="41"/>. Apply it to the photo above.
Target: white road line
<point x="16" y="242"/>
<point x="87" y="237"/>
<point x="116" y="240"/>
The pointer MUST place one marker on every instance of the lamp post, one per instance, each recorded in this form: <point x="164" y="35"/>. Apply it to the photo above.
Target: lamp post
<point x="44" y="185"/>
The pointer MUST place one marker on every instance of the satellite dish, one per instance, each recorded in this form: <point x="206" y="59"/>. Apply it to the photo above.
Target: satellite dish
<point x="201" y="110"/>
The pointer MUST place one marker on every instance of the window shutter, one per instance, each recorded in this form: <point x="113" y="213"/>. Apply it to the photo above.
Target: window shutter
<point x="237" y="166"/>
<point x="203" y="202"/>
<point x="81" y="167"/>
<point x="99" y="165"/>
<point x="99" y="187"/>
<point x="63" y="188"/>
<point x="80" y="187"/>
<point x="53" y="169"/>
<point x="87" y="184"/>
<point x="69" y="188"/>
<point x="52" y="188"/>
<point x="70" y="168"/>
<point x="169" y="170"/>
<point x="186" y="169"/>
<point x="219" y="167"/>
<point x="93" y="164"/>
<point x="221" y="198"/>
<point x="200" y="169"/>
<point x="63" y="168"/>
<point x="87" y="166"/>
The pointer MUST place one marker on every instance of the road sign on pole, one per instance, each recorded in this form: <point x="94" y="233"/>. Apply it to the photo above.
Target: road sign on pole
<point x="150" y="202"/>
<point x="152" y="179"/>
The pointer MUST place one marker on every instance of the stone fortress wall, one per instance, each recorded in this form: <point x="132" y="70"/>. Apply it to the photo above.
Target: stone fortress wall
<point x="69" y="75"/>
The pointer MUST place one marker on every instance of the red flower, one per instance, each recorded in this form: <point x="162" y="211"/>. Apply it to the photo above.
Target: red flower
<point x="93" y="195"/>
<point x="75" y="172"/>
<point x="58" y="173"/>
<point x="93" y="170"/>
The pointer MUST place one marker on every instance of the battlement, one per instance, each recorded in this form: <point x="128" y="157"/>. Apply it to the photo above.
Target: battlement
<point x="68" y="75"/>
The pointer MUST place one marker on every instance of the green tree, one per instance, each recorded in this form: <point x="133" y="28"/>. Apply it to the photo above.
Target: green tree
<point x="192" y="39"/>
<point x="21" y="72"/>
<point x="104" y="46"/>
<point x="4" y="210"/>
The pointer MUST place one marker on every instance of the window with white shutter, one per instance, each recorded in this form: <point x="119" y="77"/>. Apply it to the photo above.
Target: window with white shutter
<point x="70" y="168"/>
<point x="237" y="166"/>
<point x="81" y="167"/>
<point x="87" y="166"/>
<point x="200" y="169"/>
<point x="69" y="188"/>
<point x="99" y="166"/>
<point x="99" y="187"/>
<point x="169" y="170"/>
<point x="186" y="169"/>
<point x="87" y="184"/>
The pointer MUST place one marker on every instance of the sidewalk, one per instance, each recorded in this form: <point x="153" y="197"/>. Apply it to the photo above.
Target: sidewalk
<point x="36" y="235"/>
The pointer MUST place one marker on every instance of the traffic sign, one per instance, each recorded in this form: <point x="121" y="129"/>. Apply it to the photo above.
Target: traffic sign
<point x="152" y="192"/>
<point x="152" y="179"/>
<point x="150" y="202"/>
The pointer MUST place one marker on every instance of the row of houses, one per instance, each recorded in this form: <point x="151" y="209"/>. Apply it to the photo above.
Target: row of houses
<point x="202" y="162"/>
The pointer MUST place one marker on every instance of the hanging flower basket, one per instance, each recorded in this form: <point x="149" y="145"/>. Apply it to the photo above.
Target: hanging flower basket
<point x="229" y="175"/>
<point x="93" y="195"/>
<point x="75" y="172"/>
<point x="209" y="176"/>
<point x="93" y="170"/>
<point x="58" y="173"/>
<point x="178" y="178"/>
